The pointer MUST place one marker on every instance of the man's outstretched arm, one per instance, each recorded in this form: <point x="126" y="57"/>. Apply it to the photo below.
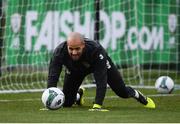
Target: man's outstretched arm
<point x="55" y="68"/>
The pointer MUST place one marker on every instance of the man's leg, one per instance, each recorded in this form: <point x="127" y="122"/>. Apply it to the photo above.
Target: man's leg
<point x="71" y="85"/>
<point x="117" y="84"/>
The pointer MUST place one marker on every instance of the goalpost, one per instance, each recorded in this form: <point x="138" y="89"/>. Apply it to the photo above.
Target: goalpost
<point x="141" y="36"/>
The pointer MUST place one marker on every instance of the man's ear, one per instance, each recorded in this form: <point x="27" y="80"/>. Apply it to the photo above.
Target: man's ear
<point x="83" y="43"/>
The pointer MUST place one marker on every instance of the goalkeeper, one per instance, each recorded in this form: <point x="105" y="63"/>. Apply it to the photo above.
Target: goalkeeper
<point x="82" y="56"/>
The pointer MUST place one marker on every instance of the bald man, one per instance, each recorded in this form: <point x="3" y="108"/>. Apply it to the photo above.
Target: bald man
<point x="82" y="56"/>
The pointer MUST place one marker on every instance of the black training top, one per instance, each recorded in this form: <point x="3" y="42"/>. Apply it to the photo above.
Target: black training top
<point x="93" y="60"/>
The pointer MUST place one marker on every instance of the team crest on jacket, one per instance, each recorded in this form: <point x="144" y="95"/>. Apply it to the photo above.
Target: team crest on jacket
<point x="101" y="56"/>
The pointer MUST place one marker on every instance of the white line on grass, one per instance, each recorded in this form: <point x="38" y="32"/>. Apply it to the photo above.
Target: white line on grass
<point x="107" y="97"/>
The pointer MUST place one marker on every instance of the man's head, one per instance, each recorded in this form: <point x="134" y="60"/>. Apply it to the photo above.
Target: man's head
<point x="75" y="45"/>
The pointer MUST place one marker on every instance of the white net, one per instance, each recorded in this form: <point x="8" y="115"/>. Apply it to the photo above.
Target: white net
<point x="141" y="36"/>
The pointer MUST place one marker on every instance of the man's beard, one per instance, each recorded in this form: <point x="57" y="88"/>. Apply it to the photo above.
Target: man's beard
<point x="75" y="57"/>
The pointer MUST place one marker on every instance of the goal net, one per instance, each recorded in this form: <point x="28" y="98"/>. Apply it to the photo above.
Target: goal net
<point x="141" y="36"/>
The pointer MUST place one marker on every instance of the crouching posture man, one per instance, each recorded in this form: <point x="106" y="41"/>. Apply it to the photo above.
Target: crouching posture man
<point x="82" y="56"/>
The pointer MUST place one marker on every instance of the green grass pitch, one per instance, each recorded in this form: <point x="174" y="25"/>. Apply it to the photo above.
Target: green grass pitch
<point x="25" y="108"/>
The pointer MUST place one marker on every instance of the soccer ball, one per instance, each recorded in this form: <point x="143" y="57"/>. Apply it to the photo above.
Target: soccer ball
<point x="164" y="84"/>
<point x="53" y="98"/>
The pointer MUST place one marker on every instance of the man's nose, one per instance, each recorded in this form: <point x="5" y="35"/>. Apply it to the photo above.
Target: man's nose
<point x="74" y="52"/>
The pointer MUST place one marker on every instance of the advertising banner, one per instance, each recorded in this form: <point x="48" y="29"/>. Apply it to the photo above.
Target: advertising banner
<point x="133" y="32"/>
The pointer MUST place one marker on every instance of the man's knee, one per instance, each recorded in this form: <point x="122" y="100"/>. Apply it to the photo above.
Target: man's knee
<point x="69" y="100"/>
<point x="68" y="103"/>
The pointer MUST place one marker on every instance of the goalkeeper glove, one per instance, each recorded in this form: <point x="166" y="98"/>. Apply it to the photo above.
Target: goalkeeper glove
<point x="97" y="107"/>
